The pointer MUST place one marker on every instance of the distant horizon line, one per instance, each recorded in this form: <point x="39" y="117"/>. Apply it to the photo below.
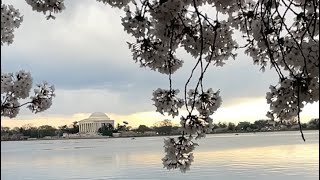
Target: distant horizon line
<point x="174" y="125"/>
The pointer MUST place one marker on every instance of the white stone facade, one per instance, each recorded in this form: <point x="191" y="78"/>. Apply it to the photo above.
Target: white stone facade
<point x="94" y="122"/>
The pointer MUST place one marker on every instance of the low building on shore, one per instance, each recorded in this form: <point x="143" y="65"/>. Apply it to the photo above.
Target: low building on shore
<point x="296" y="127"/>
<point x="220" y="130"/>
<point x="115" y="134"/>
<point x="283" y="127"/>
<point x="149" y="133"/>
<point x="128" y="134"/>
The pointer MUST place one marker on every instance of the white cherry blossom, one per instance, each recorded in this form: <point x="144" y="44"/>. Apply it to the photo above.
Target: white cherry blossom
<point x="16" y="87"/>
<point x="166" y="101"/>
<point x="10" y="20"/>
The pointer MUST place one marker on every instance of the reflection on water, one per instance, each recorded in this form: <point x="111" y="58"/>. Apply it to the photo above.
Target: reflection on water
<point x="247" y="156"/>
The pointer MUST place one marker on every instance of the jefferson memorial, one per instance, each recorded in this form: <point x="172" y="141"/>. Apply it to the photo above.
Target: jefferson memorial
<point x="94" y="122"/>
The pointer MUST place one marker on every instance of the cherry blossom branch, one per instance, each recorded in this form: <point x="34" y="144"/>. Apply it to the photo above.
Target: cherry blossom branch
<point x="298" y="114"/>
<point x="294" y="39"/>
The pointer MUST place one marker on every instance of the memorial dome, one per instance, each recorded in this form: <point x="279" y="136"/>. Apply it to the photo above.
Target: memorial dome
<point x="99" y="115"/>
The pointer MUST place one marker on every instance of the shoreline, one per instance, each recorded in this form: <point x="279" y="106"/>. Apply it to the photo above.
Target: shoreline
<point x="133" y="137"/>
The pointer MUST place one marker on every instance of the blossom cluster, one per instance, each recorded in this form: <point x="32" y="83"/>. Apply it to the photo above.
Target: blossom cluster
<point x="153" y="54"/>
<point x="9" y="106"/>
<point x="225" y="6"/>
<point x="178" y="153"/>
<point x="42" y="99"/>
<point x="288" y="99"/>
<point x="206" y="102"/>
<point x="151" y="49"/>
<point x="18" y="84"/>
<point x="166" y="101"/>
<point x="10" y="19"/>
<point x="51" y="6"/>
<point x="15" y="87"/>
<point x="196" y="125"/>
<point x="116" y="3"/>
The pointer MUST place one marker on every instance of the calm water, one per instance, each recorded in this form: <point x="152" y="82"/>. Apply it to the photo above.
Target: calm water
<point x="281" y="155"/>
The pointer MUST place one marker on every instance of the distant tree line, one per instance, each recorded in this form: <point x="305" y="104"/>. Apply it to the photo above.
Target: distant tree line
<point x="29" y="131"/>
<point x="265" y="125"/>
<point x="165" y="127"/>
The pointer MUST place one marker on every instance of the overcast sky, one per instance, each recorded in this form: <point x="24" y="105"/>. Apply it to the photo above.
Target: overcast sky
<point x="85" y="55"/>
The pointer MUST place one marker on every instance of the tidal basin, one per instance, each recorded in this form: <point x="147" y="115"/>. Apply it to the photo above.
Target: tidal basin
<point x="270" y="155"/>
